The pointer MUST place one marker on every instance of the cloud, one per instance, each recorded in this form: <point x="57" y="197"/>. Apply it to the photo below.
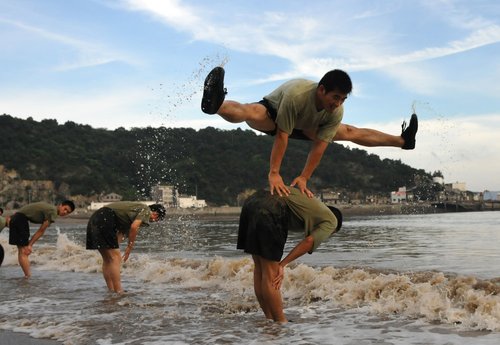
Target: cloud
<point x="177" y="15"/>
<point x="299" y="38"/>
<point x="310" y="50"/>
<point x="81" y="53"/>
<point x="460" y="16"/>
<point x="112" y="108"/>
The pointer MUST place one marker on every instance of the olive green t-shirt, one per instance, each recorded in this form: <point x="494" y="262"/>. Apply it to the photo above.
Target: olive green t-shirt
<point x="39" y="212"/>
<point x="128" y="211"/>
<point x="295" y="103"/>
<point x="3" y="222"/>
<point x="310" y="215"/>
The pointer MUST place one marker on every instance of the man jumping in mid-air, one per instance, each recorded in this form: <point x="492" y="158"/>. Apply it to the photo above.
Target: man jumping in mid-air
<point x="301" y="109"/>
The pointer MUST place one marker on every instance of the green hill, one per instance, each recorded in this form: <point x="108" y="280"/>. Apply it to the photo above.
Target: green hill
<point x="216" y="164"/>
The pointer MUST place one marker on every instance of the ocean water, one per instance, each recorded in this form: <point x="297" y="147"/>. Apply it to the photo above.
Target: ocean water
<point x="412" y="279"/>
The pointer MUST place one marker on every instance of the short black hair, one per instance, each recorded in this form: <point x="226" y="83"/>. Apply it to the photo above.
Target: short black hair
<point x="336" y="79"/>
<point x="158" y="208"/>
<point x="69" y="203"/>
<point x="1" y="210"/>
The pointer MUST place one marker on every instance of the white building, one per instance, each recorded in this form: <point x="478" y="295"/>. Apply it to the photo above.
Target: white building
<point x="191" y="201"/>
<point x="399" y="196"/>
<point x="438" y="180"/>
<point x="111" y="197"/>
<point x="97" y="205"/>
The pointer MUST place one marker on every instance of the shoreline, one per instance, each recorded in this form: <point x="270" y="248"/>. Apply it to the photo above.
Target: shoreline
<point x="230" y="212"/>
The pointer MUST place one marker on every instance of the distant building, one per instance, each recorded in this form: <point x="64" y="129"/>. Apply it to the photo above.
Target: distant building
<point x="491" y="196"/>
<point x="438" y="180"/>
<point x="399" y="196"/>
<point x="458" y="186"/>
<point x="111" y="197"/>
<point x="166" y="195"/>
<point x="191" y="202"/>
<point x="97" y="205"/>
<point x="330" y="197"/>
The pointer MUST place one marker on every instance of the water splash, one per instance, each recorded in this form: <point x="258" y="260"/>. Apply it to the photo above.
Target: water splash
<point x="443" y="128"/>
<point x="150" y="165"/>
<point x="174" y="96"/>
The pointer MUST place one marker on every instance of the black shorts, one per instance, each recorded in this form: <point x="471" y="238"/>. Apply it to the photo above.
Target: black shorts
<point x="273" y="114"/>
<point x="1" y="254"/>
<point x="263" y="228"/>
<point x="19" y="230"/>
<point x="101" y="230"/>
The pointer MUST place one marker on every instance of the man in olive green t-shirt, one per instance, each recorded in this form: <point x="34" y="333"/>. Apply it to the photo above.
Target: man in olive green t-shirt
<point x="4" y="222"/>
<point x="109" y="224"/>
<point x="264" y="223"/>
<point x="39" y="213"/>
<point x="300" y="109"/>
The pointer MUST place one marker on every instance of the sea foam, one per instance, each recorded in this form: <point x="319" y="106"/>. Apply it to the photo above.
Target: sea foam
<point x="467" y="301"/>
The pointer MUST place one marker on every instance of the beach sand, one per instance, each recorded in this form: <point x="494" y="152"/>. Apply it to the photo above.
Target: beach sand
<point x="15" y="338"/>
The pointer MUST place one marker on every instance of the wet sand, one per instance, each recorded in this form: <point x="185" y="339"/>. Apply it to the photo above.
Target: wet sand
<point x="15" y="338"/>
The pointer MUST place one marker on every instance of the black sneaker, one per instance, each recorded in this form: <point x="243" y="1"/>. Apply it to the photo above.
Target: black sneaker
<point x="408" y="133"/>
<point x="213" y="91"/>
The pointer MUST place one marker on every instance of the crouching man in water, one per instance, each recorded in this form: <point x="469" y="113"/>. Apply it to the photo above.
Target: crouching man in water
<point x="107" y="227"/>
<point x="264" y="223"/>
<point x="19" y="228"/>
<point x="4" y="222"/>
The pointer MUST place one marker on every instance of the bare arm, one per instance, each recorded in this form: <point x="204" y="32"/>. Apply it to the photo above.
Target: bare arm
<point x="317" y="150"/>
<point x="39" y="233"/>
<point x="300" y="249"/>
<point x="277" y="154"/>
<point x="134" y="229"/>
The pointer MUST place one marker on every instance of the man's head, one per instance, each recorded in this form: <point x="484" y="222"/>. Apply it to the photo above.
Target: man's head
<point x="158" y="212"/>
<point x="333" y="89"/>
<point x="65" y="208"/>
<point x="336" y="80"/>
<point x="1" y="211"/>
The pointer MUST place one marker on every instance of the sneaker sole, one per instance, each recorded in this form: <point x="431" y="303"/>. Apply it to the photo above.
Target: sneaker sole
<point x="410" y="133"/>
<point x="212" y="95"/>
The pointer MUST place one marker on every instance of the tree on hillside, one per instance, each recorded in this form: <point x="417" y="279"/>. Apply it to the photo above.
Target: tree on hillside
<point x="215" y="164"/>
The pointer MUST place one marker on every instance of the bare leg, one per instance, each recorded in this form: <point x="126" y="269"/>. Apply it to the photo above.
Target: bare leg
<point x="367" y="136"/>
<point x="24" y="261"/>
<point x="257" y="285"/>
<point x="111" y="261"/>
<point x="254" y="114"/>
<point x="271" y="297"/>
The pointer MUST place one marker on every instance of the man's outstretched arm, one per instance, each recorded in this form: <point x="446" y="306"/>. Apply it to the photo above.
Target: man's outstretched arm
<point x="304" y="246"/>
<point x="278" y="152"/>
<point x="39" y="233"/>
<point x="317" y="150"/>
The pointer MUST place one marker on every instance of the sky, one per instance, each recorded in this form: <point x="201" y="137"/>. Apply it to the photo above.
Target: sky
<point x="139" y="63"/>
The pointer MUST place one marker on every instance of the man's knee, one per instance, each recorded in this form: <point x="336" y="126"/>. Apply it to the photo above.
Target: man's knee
<point x="345" y="132"/>
<point x="256" y="112"/>
<point x="269" y="267"/>
<point x="110" y="255"/>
